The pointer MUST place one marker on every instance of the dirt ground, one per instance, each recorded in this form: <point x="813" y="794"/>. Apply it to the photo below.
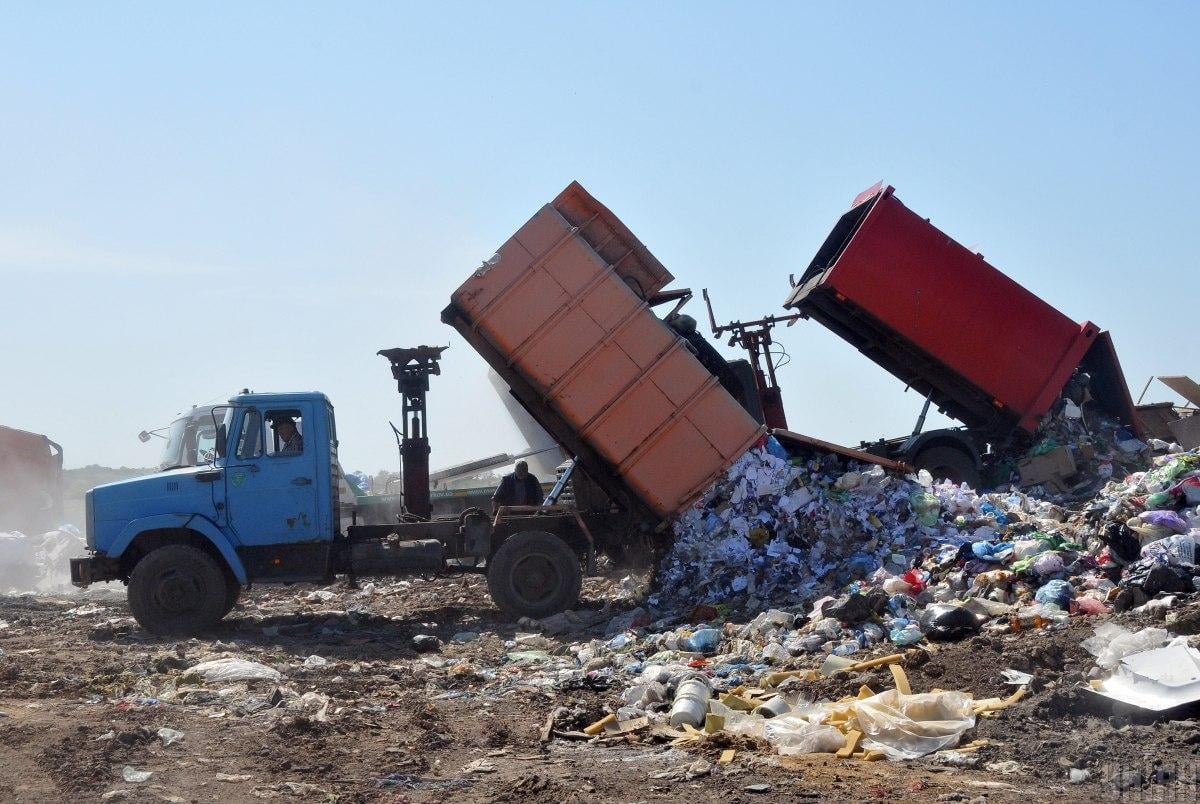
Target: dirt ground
<point x="79" y="686"/>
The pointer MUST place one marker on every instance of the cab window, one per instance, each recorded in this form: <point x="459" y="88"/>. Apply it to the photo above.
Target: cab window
<point x="249" y="443"/>
<point x="286" y="427"/>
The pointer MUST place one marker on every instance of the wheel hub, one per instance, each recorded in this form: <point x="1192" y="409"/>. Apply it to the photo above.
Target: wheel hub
<point x="177" y="591"/>
<point x="535" y="578"/>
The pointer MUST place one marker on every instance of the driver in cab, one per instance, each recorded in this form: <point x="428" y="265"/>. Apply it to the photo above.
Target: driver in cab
<point x="287" y="436"/>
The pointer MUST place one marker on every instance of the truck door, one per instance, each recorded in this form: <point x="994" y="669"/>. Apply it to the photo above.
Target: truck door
<point x="270" y="482"/>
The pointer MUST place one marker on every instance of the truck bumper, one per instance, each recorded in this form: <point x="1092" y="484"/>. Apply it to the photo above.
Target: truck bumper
<point x="94" y="569"/>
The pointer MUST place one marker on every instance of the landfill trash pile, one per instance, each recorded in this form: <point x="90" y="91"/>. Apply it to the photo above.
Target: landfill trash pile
<point x="867" y="557"/>
<point x="38" y="563"/>
<point x="1094" y="445"/>
<point x="789" y="530"/>
<point x="851" y="560"/>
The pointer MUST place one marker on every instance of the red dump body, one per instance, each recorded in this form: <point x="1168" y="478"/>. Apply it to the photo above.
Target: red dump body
<point x="943" y="320"/>
<point x="563" y="316"/>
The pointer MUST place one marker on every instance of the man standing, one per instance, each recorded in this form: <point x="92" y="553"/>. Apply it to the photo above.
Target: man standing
<point x="519" y="488"/>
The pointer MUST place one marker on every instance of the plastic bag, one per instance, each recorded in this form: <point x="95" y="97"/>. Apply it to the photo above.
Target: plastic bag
<point x="1113" y="643"/>
<point x="997" y="552"/>
<point x="1165" y="519"/>
<point x="927" y="507"/>
<point x="793" y="734"/>
<point x="1047" y="564"/>
<point x="910" y="726"/>
<point x="703" y="641"/>
<point x="230" y="670"/>
<point x="1055" y="593"/>
<point x="945" y="622"/>
<point x="1177" y="549"/>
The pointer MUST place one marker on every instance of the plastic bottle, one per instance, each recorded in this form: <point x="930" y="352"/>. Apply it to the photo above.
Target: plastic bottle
<point x="691" y="701"/>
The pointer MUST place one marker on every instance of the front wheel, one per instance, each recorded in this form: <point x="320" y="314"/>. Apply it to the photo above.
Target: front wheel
<point x="178" y="590"/>
<point x="233" y="590"/>
<point x="534" y="574"/>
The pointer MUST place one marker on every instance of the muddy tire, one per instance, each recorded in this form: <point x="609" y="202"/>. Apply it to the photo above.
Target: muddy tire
<point x="178" y="590"/>
<point x="948" y="463"/>
<point x="534" y="574"/>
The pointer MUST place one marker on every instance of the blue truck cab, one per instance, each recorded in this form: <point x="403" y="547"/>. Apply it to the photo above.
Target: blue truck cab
<point x="261" y="506"/>
<point x="264" y="508"/>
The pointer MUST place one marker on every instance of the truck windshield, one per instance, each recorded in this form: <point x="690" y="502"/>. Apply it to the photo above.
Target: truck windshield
<point x="191" y="441"/>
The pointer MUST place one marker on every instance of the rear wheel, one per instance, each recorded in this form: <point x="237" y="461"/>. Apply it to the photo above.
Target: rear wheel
<point x="948" y="463"/>
<point x="178" y="590"/>
<point x="534" y="574"/>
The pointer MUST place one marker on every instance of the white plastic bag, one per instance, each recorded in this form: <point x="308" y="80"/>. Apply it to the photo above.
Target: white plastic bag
<point x="910" y="726"/>
<point x="229" y="670"/>
<point x="1113" y="643"/>
<point x="792" y="734"/>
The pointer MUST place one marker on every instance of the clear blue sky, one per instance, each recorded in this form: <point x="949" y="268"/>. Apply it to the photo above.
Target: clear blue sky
<point x="198" y="198"/>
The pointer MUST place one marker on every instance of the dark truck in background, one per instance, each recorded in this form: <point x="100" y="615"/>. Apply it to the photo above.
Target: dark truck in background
<point x="977" y="345"/>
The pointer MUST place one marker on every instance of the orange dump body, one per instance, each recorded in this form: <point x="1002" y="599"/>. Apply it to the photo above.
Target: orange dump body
<point x="562" y="315"/>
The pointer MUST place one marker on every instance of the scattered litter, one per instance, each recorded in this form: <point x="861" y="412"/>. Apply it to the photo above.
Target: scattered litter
<point x="169" y="736"/>
<point x="230" y="670"/>
<point x="135" y="776"/>
<point x="1157" y="679"/>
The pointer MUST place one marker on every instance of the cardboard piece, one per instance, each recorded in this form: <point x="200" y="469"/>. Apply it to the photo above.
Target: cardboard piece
<point x="1050" y="470"/>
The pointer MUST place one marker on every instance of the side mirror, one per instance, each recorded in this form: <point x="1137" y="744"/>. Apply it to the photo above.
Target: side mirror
<point x="222" y="437"/>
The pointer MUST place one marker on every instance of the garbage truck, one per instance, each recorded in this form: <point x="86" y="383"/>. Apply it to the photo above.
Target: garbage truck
<point x="970" y="340"/>
<point x="564" y="313"/>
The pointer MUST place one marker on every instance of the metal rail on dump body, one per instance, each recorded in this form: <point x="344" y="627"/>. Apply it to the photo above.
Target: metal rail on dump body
<point x="562" y="313"/>
<point x="986" y="350"/>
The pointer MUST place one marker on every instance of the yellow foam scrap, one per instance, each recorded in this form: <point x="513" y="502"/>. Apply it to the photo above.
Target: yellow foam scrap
<point x="901" y="679"/>
<point x="865" y="692"/>
<point x="876" y="662"/>
<point x="736" y="702"/>
<point x="974" y="745"/>
<point x="713" y="723"/>
<point x="726" y="756"/>
<point x="775" y="679"/>
<point x="996" y="704"/>
<point x="873" y="755"/>
<point x="852" y="738"/>
<point x="691" y="730"/>
<point x="600" y="725"/>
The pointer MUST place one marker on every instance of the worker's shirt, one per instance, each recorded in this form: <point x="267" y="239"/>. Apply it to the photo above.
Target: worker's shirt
<point x="293" y="446"/>
<point x="512" y="491"/>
